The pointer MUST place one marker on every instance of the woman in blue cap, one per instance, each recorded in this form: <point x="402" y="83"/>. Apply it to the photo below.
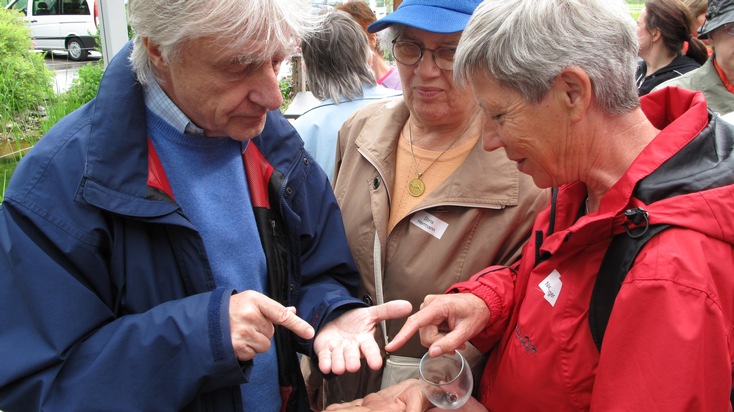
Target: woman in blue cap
<point x="423" y="204"/>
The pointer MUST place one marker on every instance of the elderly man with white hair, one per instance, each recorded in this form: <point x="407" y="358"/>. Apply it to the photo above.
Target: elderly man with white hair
<point x="171" y="245"/>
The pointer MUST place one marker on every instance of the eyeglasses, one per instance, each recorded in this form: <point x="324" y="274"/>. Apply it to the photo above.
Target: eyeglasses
<point x="410" y="54"/>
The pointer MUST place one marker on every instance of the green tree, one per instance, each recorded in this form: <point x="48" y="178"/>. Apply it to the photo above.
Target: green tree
<point x="25" y="82"/>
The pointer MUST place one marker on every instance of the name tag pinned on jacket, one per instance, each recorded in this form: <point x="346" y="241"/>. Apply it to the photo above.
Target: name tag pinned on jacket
<point x="429" y="223"/>
<point x="551" y="287"/>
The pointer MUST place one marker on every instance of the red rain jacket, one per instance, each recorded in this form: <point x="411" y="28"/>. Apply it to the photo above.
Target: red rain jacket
<point x="668" y="345"/>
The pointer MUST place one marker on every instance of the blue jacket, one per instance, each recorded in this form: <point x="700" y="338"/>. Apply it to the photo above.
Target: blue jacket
<point x="319" y="126"/>
<point x="107" y="298"/>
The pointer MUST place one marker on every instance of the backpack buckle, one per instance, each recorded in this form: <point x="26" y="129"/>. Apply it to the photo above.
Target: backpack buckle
<point x="636" y="216"/>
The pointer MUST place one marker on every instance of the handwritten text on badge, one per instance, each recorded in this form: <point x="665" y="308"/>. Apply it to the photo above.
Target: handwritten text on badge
<point x="551" y="287"/>
<point x="431" y="224"/>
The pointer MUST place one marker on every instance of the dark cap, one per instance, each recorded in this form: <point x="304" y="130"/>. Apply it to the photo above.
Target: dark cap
<point x="719" y="13"/>
<point x="435" y="16"/>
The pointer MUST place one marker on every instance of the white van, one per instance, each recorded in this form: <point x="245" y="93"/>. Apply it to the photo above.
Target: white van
<point x="61" y="24"/>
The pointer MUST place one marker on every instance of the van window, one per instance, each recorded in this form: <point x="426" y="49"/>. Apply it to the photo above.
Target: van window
<point x="43" y="9"/>
<point x="20" y="5"/>
<point x="51" y="7"/>
<point x="75" y="7"/>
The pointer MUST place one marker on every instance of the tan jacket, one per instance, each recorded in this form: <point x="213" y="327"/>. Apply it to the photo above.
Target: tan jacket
<point x="488" y="205"/>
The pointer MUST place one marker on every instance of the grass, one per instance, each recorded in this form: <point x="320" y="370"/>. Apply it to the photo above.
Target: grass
<point x="10" y="153"/>
<point x="635" y="9"/>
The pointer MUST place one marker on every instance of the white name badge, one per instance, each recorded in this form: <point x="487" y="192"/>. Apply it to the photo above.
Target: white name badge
<point x="431" y="224"/>
<point x="551" y="287"/>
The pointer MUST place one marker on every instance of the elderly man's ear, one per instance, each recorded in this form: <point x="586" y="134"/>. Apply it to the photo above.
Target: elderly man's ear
<point x="154" y="53"/>
<point x="575" y="90"/>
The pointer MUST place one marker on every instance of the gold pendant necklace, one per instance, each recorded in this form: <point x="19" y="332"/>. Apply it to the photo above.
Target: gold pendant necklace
<point x="416" y="187"/>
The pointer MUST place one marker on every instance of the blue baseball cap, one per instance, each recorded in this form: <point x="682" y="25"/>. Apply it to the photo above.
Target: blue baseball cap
<point x="435" y="16"/>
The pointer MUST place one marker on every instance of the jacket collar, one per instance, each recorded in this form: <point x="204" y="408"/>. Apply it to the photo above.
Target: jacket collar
<point x="678" y="63"/>
<point x="664" y="169"/>
<point x="116" y="170"/>
<point x="487" y="178"/>
<point x="681" y="115"/>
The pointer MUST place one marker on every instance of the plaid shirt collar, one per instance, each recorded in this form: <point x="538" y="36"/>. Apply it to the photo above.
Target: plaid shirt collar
<point x="159" y="103"/>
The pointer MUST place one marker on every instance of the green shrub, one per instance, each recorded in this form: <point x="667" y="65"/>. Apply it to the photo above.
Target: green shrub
<point x="286" y="90"/>
<point x="25" y="82"/>
<point x="83" y="89"/>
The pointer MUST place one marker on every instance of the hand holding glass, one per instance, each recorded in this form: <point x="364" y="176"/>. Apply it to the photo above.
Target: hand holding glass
<point x="446" y="380"/>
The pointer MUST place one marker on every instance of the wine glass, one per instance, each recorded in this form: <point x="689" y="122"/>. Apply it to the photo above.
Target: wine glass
<point x="446" y="380"/>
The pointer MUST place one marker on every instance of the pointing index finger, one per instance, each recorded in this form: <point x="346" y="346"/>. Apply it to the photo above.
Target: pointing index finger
<point x="412" y="324"/>
<point x="286" y="317"/>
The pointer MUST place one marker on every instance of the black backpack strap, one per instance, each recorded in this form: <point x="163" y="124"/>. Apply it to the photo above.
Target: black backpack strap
<point x="617" y="261"/>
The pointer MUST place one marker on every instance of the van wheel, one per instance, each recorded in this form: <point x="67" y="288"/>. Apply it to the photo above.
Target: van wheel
<point x="76" y="50"/>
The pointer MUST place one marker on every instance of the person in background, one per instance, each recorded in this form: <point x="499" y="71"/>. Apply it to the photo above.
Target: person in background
<point x="570" y="117"/>
<point x="715" y="77"/>
<point x="170" y="245"/>
<point x="698" y="11"/>
<point x="336" y="57"/>
<point x="424" y="205"/>
<point x="663" y="26"/>
<point x="385" y="74"/>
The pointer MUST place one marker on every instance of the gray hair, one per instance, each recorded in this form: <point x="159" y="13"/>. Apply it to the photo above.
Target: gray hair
<point x="336" y="56"/>
<point x="386" y="36"/>
<point x="525" y="44"/>
<point x="171" y="23"/>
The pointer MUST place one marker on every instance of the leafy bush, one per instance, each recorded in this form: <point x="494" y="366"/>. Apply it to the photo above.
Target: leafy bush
<point x="83" y="89"/>
<point x="286" y="90"/>
<point x="25" y="82"/>
<point x="29" y="106"/>
<point x="25" y="85"/>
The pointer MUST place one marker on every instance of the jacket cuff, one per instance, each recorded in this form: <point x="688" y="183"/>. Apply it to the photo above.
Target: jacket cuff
<point x="325" y="313"/>
<point x="485" y="339"/>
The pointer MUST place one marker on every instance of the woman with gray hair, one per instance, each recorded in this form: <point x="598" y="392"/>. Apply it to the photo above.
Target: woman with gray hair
<point x="656" y="335"/>
<point x="337" y="60"/>
<point x="423" y="204"/>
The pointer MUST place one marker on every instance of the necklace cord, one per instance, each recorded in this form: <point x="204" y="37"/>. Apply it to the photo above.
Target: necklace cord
<point x="415" y="161"/>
